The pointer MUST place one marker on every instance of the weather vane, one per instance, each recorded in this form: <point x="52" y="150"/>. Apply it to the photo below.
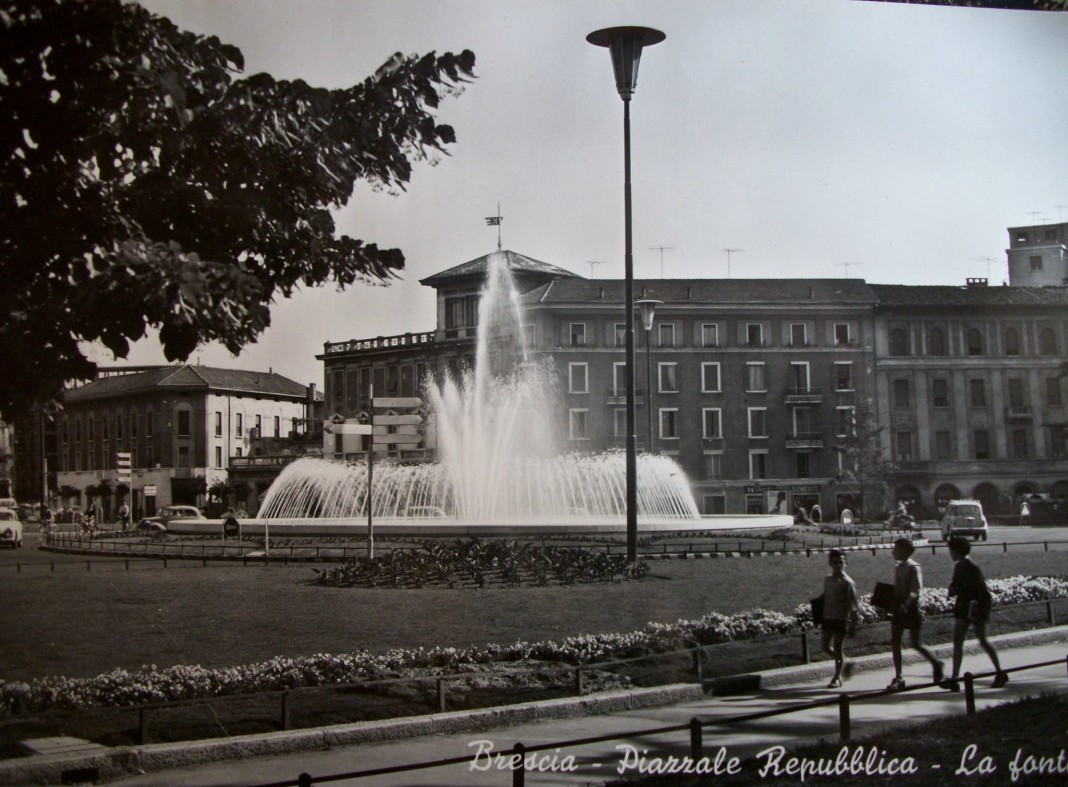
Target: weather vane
<point x="495" y="221"/>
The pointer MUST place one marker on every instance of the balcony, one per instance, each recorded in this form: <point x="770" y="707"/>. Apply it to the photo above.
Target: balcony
<point x="908" y="467"/>
<point x="1018" y="412"/>
<point x="382" y="342"/>
<point x="246" y="462"/>
<point x="805" y="440"/>
<point x="803" y="396"/>
<point x="619" y="398"/>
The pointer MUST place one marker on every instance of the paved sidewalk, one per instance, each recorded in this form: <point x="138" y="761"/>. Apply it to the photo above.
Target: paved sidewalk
<point x="597" y="763"/>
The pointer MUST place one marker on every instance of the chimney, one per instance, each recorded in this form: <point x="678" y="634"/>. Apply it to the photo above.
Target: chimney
<point x="974" y="281"/>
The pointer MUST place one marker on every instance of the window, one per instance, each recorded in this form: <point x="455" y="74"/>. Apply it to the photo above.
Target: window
<point x="277" y="426"/>
<point x="758" y="464"/>
<point x="337" y="388"/>
<point x="259" y="425"/>
<point x="841" y="333"/>
<point x="797" y="335"/>
<point x="714" y="504"/>
<point x="901" y="393"/>
<point x="665" y="332"/>
<point x="713" y="466"/>
<point x="239" y="425"/>
<point x="218" y="424"/>
<point x="666" y="375"/>
<point x="1012" y="341"/>
<point x="149" y="419"/>
<point x="942" y="445"/>
<point x="218" y="456"/>
<point x="1056" y="442"/>
<point x="940" y="392"/>
<point x="903" y="446"/>
<point x="710" y="378"/>
<point x="621" y="334"/>
<point x="120" y="426"/>
<point x="1016" y="392"/>
<point x="804" y="421"/>
<point x="1022" y="237"/>
<point x="239" y="451"/>
<point x="669" y="423"/>
<point x="711" y="417"/>
<point x="799" y="380"/>
<point x="1047" y="341"/>
<point x="1053" y="391"/>
<point x="1019" y="444"/>
<point x="755" y="377"/>
<point x="89" y="424"/>
<point x="183" y="423"/>
<point x="843" y="421"/>
<point x="754" y="335"/>
<point x="710" y="335"/>
<point x="619" y="379"/>
<point x="578" y="334"/>
<point x="936" y="342"/>
<point x="578" y="378"/>
<point x="981" y="443"/>
<point x="577" y="424"/>
<point x="978" y="390"/>
<point x="758" y="422"/>
<point x="461" y="312"/>
<point x="529" y="335"/>
<point x="183" y="456"/>
<point x="619" y="422"/>
<point x="899" y="342"/>
<point x="975" y="341"/>
<point x="804" y="465"/>
<point x="1036" y="262"/>
<point x="843" y="375"/>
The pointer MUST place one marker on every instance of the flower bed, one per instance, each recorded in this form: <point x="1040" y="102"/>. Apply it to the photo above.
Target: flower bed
<point x="151" y="684"/>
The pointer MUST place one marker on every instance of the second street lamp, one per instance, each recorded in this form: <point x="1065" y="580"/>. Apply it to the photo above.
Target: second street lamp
<point x="625" y="46"/>
<point x="648" y="309"/>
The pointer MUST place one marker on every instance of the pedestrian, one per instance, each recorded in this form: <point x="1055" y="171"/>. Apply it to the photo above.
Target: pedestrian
<point x="971" y="607"/>
<point x="124" y="516"/>
<point x="839" y="614"/>
<point x="908" y="583"/>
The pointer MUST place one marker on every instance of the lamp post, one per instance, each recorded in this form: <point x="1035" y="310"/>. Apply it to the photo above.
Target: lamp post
<point x="648" y="309"/>
<point x="625" y="46"/>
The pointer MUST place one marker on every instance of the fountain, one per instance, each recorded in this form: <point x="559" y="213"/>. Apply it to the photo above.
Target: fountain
<point x="500" y="464"/>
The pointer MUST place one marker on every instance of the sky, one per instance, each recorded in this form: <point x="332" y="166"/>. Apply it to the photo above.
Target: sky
<point x="823" y="139"/>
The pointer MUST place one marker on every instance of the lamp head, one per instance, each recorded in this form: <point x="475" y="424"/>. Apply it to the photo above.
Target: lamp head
<point x="648" y="308"/>
<point x="625" y="46"/>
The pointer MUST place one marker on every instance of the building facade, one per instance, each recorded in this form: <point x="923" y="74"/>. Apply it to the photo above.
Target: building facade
<point x="180" y="424"/>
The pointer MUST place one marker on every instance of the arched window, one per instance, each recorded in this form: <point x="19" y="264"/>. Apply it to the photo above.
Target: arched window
<point x="1012" y="341"/>
<point x="936" y="344"/>
<point x="975" y="341"/>
<point x="1047" y="342"/>
<point x="899" y="342"/>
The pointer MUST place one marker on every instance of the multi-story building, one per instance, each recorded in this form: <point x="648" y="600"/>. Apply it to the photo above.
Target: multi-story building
<point x="180" y="424"/>
<point x="970" y="386"/>
<point x="1038" y="255"/>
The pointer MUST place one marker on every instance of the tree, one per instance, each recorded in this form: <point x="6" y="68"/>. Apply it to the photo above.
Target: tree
<point x="145" y="183"/>
<point x="863" y="462"/>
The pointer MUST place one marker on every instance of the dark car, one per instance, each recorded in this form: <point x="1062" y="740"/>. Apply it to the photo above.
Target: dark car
<point x="159" y="522"/>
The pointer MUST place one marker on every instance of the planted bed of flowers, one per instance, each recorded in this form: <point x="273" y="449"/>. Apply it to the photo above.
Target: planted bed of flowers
<point x="151" y="684"/>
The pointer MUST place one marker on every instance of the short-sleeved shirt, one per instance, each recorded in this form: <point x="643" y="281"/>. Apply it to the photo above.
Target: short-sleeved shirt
<point x="839" y="597"/>
<point x="969" y="585"/>
<point x="908" y="580"/>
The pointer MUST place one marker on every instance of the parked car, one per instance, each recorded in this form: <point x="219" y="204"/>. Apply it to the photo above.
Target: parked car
<point x="162" y="518"/>
<point x="964" y="518"/>
<point x="10" y="528"/>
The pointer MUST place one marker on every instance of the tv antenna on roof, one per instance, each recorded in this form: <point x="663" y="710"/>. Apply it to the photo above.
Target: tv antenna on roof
<point x="728" y="252"/>
<point x="495" y="221"/>
<point x="662" y="250"/>
<point x="591" y="263"/>
<point x="988" y="260"/>
<point x="847" y="265"/>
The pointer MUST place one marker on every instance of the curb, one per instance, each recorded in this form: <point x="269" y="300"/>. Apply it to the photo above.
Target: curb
<point x="750" y="553"/>
<point x="132" y="760"/>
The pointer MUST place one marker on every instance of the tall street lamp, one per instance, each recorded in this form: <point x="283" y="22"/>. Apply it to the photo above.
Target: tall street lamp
<point x="625" y="46"/>
<point x="648" y="308"/>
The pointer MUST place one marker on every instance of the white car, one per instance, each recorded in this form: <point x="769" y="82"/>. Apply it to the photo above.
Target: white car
<point x="10" y="528"/>
<point x="964" y="518"/>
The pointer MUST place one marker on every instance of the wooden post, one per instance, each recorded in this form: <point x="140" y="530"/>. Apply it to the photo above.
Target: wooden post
<point x="304" y="780"/>
<point x="519" y="773"/>
<point x="441" y="695"/>
<point x="580" y="683"/>
<point x="696" y="743"/>
<point x="285" y="710"/>
<point x="843" y="717"/>
<point x="969" y="693"/>
<point x="1049" y="613"/>
<point x="804" y="648"/>
<point x="142" y="724"/>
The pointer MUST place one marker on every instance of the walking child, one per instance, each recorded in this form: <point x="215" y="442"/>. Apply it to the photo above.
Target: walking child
<point x="839" y="613"/>
<point x="971" y="607"/>
<point x="908" y="583"/>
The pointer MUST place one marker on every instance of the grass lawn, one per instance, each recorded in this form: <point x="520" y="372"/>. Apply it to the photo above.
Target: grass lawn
<point x="1007" y="734"/>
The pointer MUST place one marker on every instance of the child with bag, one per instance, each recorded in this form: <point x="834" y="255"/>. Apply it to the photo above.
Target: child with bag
<point x="970" y="608"/>
<point x="839" y="614"/>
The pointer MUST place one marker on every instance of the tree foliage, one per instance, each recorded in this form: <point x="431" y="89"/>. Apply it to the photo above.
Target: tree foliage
<point x="146" y="182"/>
<point x="864" y="463"/>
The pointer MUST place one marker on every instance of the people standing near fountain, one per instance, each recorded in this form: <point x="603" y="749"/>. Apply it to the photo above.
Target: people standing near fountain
<point x="839" y="613"/>
<point x="908" y="584"/>
<point x="971" y="607"/>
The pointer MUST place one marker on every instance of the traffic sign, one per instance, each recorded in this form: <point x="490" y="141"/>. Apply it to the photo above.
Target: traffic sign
<point x="397" y="402"/>
<point x="333" y="428"/>
<point x="123" y="461"/>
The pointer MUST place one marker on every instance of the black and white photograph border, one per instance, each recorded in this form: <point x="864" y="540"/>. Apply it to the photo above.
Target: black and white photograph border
<point x="487" y="392"/>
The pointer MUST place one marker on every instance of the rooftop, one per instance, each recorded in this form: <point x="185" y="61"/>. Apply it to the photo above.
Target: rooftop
<point x="189" y="377"/>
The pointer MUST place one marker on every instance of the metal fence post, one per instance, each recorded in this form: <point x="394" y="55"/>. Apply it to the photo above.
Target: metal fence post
<point x="285" y="710"/>
<point x="697" y="655"/>
<point x="519" y="774"/>
<point x="804" y="648"/>
<point x="696" y="743"/>
<point x="304" y="780"/>
<point x="843" y="717"/>
<point x="580" y="682"/>
<point x="969" y="693"/>
<point x="142" y="724"/>
<point x="441" y="695"/>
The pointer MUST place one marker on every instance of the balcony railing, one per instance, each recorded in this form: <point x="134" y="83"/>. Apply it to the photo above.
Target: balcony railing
<point x="380" y="343"/>
<point x="1018" y="412"/>
<point x="803" y="396"/>
<point x="805" y="440"/>
<point x="619" y="397"/>
<point x="245" y="462"/>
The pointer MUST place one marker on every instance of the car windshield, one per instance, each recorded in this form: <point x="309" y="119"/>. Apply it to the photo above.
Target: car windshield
<point x="8" y="516"/>
<point x="968" y="511"/>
